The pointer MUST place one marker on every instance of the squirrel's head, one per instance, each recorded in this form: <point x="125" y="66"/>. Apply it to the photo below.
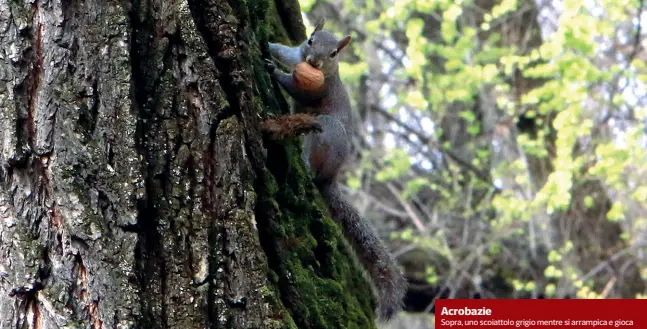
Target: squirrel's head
<point x="322" y="49"/>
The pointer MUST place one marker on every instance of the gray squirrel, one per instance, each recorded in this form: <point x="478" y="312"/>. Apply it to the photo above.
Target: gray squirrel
<point x="323" y="119"/>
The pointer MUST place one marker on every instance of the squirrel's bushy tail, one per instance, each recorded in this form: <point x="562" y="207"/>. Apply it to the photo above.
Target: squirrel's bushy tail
<point x="389" y="282"/>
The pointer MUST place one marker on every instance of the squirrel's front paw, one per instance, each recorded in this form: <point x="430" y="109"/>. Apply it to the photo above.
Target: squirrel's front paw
<point x="316" y="128"/>
<point x="270" y="66"/>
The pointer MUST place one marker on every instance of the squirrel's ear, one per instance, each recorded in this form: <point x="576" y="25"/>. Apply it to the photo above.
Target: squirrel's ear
<point x="343" y="43"/>
<point x="320" y="24"/>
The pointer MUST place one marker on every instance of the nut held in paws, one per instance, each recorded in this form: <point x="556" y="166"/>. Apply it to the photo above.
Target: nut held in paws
<point x="308" y="77"/>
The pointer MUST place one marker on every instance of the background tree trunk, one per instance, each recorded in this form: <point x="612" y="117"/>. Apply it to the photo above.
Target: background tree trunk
<point x="134" y="191"/>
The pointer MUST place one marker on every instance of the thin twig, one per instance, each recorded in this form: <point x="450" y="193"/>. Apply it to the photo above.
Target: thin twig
<point x="427" y="140"/>
<point x="607" y="262"/>
<point x="608" y="287"/>
<point x="407" y="207"/>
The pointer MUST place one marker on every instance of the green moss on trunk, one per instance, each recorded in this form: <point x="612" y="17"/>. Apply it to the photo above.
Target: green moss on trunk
<point x="312" y="272"/>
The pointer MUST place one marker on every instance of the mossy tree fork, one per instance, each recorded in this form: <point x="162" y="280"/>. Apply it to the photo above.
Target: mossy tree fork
<point x="135" y="190"/>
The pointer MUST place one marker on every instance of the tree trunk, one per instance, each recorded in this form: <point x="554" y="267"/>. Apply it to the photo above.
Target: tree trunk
<point x="134" y="187"/>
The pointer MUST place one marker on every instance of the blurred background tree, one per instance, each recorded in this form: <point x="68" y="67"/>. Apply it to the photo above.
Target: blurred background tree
<point x="502" y="145"/>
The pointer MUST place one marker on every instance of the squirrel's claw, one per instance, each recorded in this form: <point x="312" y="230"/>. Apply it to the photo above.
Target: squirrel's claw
<point x="269" y="65"/>
<point x="315" y="128"/>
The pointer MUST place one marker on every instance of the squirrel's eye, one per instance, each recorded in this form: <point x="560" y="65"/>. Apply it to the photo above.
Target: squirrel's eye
<point x="310" y="42"/>
<point x="333" y="54"/>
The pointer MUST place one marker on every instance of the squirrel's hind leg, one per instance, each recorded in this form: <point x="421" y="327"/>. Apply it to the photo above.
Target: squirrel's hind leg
<point x="291" y="126"/>
<point x="327" y="151"/>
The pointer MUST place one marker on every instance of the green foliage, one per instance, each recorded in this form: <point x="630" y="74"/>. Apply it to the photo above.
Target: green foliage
<point x="397" y="164"/>
<point x="432" y="277"/>
<point x="306" y="5"/>
<point x="350" y="73"/>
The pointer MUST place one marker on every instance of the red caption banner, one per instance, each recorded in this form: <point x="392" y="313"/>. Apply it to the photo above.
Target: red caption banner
<point x="541" y="313"/>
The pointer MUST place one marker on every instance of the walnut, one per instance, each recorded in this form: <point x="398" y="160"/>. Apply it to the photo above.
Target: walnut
<point x="308" y="77"/>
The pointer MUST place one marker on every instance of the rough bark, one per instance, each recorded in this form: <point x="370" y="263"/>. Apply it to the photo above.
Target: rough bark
<point x="135" y="190"/>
